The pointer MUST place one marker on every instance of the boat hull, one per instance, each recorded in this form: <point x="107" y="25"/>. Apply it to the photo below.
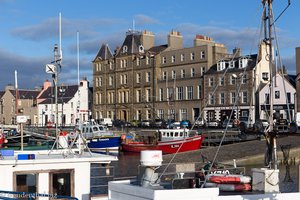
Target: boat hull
<point x="104" y="143"/>
<point x="167" y="147"/>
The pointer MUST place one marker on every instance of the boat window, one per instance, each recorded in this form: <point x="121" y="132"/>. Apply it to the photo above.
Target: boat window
<point x="26" y="182"/>
<point x="172" y="134"/>
<point x="61" y="182"/>
<point x="176" y="134"/>
<point x="95" y="128"/>
<point x="181" y="134"/>
<point x="91" y="130"/>
<point x="168" y="134"/>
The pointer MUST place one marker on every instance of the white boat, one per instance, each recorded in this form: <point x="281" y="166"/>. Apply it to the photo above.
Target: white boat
<point x="65" y="172"/>
<point x="98" y="137"/>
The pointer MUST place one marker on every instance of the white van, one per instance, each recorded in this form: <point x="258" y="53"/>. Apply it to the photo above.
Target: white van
<point x="106" y="121"/>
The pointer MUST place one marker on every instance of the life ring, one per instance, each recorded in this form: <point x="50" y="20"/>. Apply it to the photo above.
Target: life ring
<point x="72" y="134"/>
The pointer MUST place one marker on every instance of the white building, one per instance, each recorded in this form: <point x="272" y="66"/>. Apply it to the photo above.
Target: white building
<point x="283" y="98"/>
<point x="73" y="104"/>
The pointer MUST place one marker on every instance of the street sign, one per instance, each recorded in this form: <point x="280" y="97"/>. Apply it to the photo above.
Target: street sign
<point x="50" y="68"/>
<point x="22" y="119"/>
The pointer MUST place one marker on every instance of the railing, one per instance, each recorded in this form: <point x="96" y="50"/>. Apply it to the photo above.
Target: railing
<point x="29" y="195"/>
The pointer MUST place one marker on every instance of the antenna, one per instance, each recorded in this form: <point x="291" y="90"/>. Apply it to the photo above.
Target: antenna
<point x="78" y="57"/>
<point x="60" y="49"/>
<point x="133" y="25"/>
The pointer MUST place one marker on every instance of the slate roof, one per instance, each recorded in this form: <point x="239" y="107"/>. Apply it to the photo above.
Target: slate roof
<point x="104" y="53"/>
<point x="25" y="94"/>
<point x="251" y="65"/>
<point x="64" y="97"/>
<point x="132" y="43"/>
<point x="158" y="49"/>
<point x="1" y="93"/>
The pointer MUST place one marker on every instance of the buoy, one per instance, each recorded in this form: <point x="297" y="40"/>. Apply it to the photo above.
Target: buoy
<point x="231" y="187"/>
<point x="228" y="178"/>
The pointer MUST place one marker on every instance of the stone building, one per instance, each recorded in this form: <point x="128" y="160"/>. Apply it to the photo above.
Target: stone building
<point x="140" y="81"/>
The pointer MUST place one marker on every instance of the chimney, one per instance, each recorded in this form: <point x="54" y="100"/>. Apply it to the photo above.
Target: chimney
<point x="175" y="40"/>
<point x="298" y="78"/>
<point x="201" y="40"/>
<point x="237" y="52"/>
<point x="47" y="84"/>
<point x="147" y="39"/>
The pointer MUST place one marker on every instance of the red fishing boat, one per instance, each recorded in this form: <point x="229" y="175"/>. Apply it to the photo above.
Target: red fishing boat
<point x="168" y="141"/>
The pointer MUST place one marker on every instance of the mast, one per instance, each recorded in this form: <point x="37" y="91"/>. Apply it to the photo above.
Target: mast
<point x="16" y="95"/>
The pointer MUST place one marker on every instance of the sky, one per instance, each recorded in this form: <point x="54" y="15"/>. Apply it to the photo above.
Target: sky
<point x="29" y="29"/>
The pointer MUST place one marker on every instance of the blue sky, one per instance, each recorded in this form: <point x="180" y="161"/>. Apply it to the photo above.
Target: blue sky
<point x="29" y="30"/>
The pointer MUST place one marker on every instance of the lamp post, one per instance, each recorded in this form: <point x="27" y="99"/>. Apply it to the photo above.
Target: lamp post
<point x="62" y="93"/>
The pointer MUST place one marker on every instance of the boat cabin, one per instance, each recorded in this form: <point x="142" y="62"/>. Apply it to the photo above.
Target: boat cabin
<point x="92" y="130"/>
<point x="175" y="134"/>
<point x="58" y="172"/>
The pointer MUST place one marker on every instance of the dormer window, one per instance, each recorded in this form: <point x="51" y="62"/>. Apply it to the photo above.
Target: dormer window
<point x="221" y="65"/>
<point x="265" y="76"/>
<point x="125" y="49"/>
<point x="141" y="49"/>
<point x="243" y="62"/>
<point x="231" y="64"/>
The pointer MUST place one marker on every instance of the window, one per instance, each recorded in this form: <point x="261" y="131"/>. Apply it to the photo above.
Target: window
<point x="267" y="98"/>
<point x="265" y="76"/>
<point x="288" y="96"/>
<point x="202" y="54"/>
<point x="161" y="94"/>
<point x="233" y="97"/>
<point x="110" y="81"/>
<point x="138" y="96"/>
<point x="173" y="74"/>
<point x="138" y="77"/>
<point x="192" y="72"/>
<point x="161" y="113"/>
<point x="243" y="62"/>
<point x="192" y="56"/>
<point x="211" y="99"/>
<point x="100" y="81"/>
<point x="170" y="94"/>
<point x="244" y="79"/>
<point x="190" y="93"/>
<point x="182" y="57"/>
<point x="147" y="60"/>
<point x="211" y="82"/>
<point x="97" y="82"/>
<point x="61" y="182"/>
<point x="232" y="80"/>
<point x="182" y="74"/>
<point x="221" y="65"/>
<point x="179" y="93"/>
<point x="277" y="94"/>
<point x="202" y="71"/>
<point x="231" y="64"/>
<point x="148" y="77"/>
<point x="148" y="95"/>
<point x="173" y="59"/>
<point x="164" y="76"/>
<point x="111" y="66"/>
<point x="164" y="60"/>
<point x="244" y="97"/>
<point x="199" y="92"/>
<point x="222" y="98"/>
<point x="221" y="81"/>
<point x="171" y="113"/>
<point x="138" y="61"/>
<point x="26" y="182"/>
<point x="121" y="79"/>
<point x="183" y="114"/>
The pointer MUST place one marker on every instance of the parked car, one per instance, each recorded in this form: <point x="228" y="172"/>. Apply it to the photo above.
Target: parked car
<point x="185" y="123"/>
<point x="136" y="123"/>
<point x="145" y="123"/>
<point x="227" y="123"/>
<point x="200" y="122"/>
<point x="213" y="123"/>
<point x="244" y="120"/>
<point x="265" y="123"/>
<point x="158" y="123"/>
<point x="106" y="121"/>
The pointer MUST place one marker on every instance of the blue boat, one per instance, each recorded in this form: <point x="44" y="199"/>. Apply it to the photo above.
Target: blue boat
<point x="98" y="137"/>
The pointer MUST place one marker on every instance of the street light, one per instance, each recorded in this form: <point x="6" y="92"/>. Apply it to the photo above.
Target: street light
<point x="236" y="77"/>
<point x="62" y="93"/>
